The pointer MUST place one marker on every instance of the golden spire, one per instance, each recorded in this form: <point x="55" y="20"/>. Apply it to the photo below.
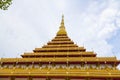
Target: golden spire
<point x="62" y="30"/>
<point x="62" y="22"/>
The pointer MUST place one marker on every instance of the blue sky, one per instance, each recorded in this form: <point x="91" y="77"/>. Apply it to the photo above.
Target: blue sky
<point x="94" y="24"/>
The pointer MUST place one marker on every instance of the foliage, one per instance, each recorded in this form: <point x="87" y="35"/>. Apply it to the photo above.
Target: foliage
<point x="4" y="4"/>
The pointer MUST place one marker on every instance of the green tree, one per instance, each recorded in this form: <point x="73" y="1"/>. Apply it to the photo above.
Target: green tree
<point x="4" y="4"/>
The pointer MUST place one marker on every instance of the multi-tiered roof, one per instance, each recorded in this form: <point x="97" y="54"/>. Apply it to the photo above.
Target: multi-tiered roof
<point x="60" y="46"/>
<point x="61" y="58"/>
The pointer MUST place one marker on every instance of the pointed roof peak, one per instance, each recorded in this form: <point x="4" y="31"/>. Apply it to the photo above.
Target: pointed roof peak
<point x="62" y="30"/>
<point x="62" y="22"/>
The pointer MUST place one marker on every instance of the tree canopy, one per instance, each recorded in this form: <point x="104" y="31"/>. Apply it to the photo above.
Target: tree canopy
<point x="4" y="4"/>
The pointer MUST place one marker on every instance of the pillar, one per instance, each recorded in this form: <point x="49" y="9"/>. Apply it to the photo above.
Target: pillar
<point x="109" y="79"/>
<point x="87" y="79"/>
<point x="29" y="78"/>
<point x="48" y="78"/>
<point x="12" y="78"/>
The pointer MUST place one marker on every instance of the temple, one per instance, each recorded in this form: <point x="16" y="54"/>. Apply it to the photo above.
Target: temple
<point x="60" y="59"/>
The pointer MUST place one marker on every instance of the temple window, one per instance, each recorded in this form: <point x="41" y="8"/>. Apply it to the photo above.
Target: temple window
<point x="30" y="66"/>
<point x="57" y="66"/>
<point x="23" y="66"/>
<point x="44" y="66"/>
<point x="93" y="66"/>
<point x="102" y="66"/>
<point x="78" y="66"/>
<point x="5" y="66"/>
<point x="109" y="66"/>
<point x="86" y="66"/>
<point x="49" y="66"/>
<point x="18" y="66"/>
<point x="10" y="66"/>
<point x="36" y="65"/>
<point x="71" y="66"/>
<point x="63" y="66"/>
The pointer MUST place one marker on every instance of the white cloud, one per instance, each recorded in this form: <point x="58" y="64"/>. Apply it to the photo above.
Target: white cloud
<point x="60" y="4"/>
<point x="98" y="25"/>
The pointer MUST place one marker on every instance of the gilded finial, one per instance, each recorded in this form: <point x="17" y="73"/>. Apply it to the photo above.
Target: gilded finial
<point x="62" y="27"/>
<point x="63" y="16"/>
<point x="62" y="22"/>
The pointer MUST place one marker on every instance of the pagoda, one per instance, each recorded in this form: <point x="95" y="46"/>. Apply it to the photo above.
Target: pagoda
<point x="60" y="59"/>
